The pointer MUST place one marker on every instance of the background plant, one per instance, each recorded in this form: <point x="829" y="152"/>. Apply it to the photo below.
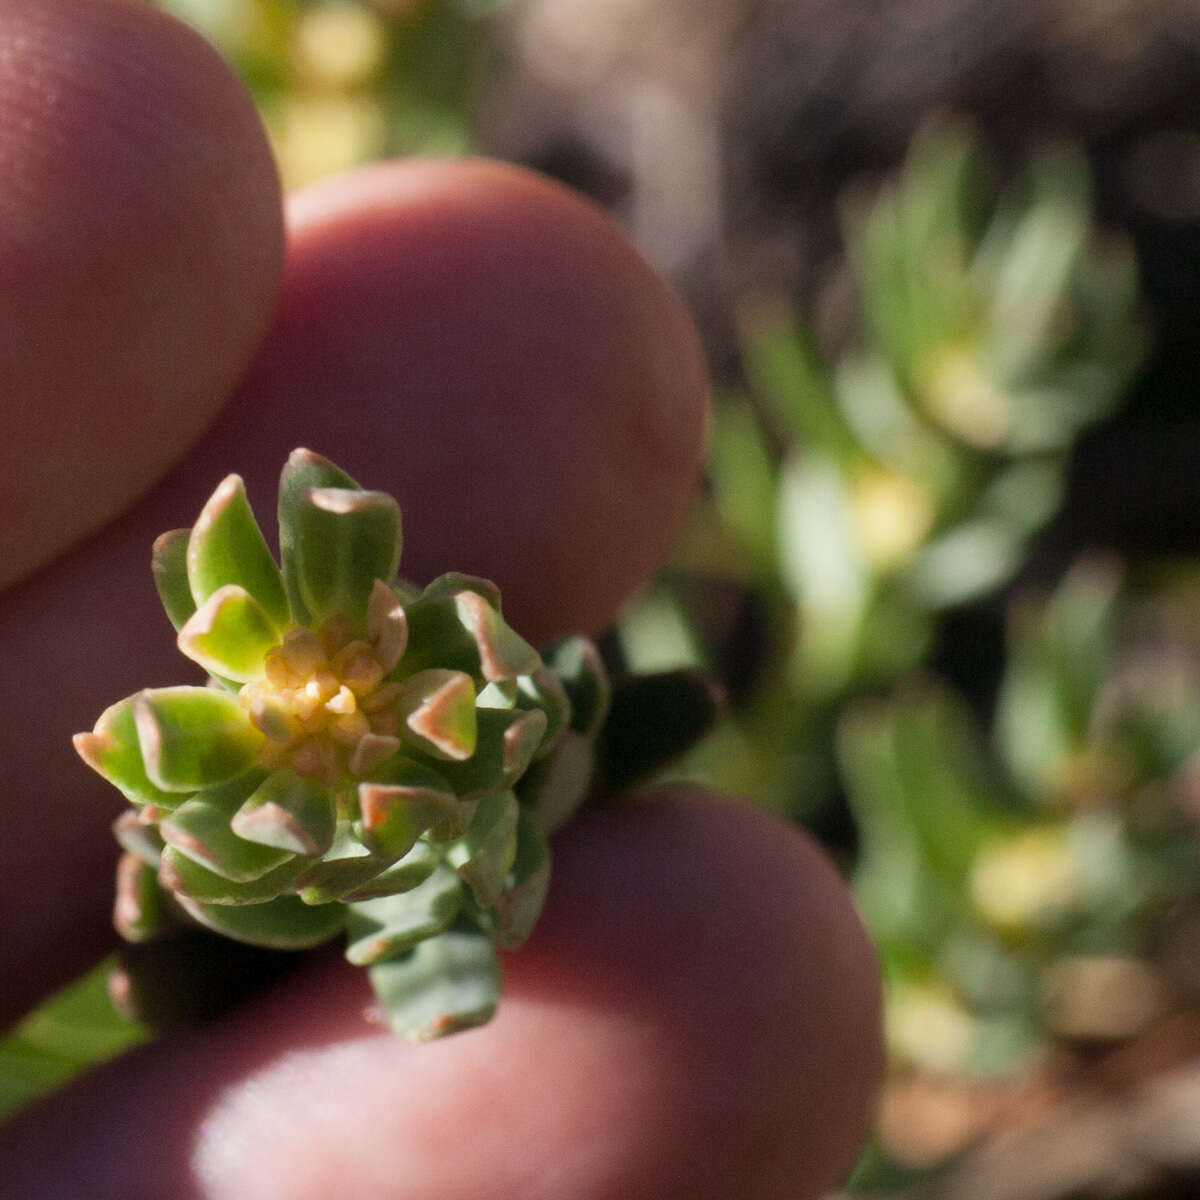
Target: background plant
<point x="342" y="82"/>
<point x="856" y="497"/>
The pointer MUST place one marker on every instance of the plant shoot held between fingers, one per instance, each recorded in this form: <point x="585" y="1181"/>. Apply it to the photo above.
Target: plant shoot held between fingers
<point x="368" y="757"/>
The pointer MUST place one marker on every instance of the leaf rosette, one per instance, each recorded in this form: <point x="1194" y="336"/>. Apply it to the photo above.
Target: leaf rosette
<point x="367" y="757"/>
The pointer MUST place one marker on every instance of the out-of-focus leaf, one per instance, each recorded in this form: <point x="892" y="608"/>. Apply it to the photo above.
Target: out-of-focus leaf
<point x="1059" y="656"/>
<point x="968" y="560"/>
<point x="822" y="565"/>
<point x="76" y="1028"/>
<point x="793" y="383"/>
<point x="656" y="633"/>
<point x="911" y="246"/>
<point x="901" y="901"/>
<point x="192" y="976"/>
<point x="1026" y="495"/>
<point x="918" y="760"/>
<point x="1030" y="260"/>
<point x="744" y="478"/>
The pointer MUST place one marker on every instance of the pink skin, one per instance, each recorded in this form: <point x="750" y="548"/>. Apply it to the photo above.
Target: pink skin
<point x="698" y="1013"/>
<point x="140" y="248"/>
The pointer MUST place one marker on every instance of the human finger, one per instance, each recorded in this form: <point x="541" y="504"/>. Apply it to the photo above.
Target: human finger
<point x="697" y="1015"/>
<point x="141" y="242"/>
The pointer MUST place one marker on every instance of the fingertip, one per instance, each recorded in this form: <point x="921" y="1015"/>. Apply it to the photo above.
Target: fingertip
<point x="141" y="244"/>
<point x="732" y="931"/>
<point x="490" y="347"/>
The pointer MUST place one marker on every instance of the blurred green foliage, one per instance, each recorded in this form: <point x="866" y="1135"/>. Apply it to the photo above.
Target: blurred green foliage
<point x="859" y="495"/>
<point x="341" y="82"/>
<point x="69" y="1033"/>
<point x="982" y="863"/>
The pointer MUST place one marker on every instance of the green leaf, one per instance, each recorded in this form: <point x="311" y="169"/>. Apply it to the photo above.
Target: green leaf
<point x="378" y="929"/>
<point x="1030" y="282"/>
<point x="168" y="564"/>
<point x="230" y="634"/>
<point x="522" y="739"/>
<point x="1079" y="629"/>
<point x="186" y="878"/>
<point x="580" y="670"/>
<point x="345" y="540"/>
<point x="193" y="738"/>
<point x="227" y="546"/>
<point x="387" y="625"/>
<point x="487" y="770"/>
<point x="485" y="854"/>
<point x="503" y="653"/>
<point x="926" y="748"/>
<point x="413" y="869"/>
<point x="399" y="809"/>
<point x="70" y="1032"/>
<point x="464" y="630"/>
<point x="437" y="638"/>
<point x="438" y="710"/>
<point x="554" y="787"/>
<point x="542" y="689"/>
<point x="502" y="694"/>
<point x="789" y="377"/>
<point x="966" y="561"/>
<point x="449" y="585"/>
<point x="113" y="750"/>
<point x="1060" y="654"/>
<point x="282" y="924"/>
<point x="141" y="840"/>
<point x="911" y="249"/>
<point x="346" y="866"/>
<point x="902" y="900"/>
<point x="303" y="471"/>
<point x="823" y="566"/>
<point x="744" y="474"/>
<point x="201" y="830"/>
<point x="448" y="983"/>
<point x="138" y="910"/>
<point x="520" y="904"/>
<point x="289" y="812"/>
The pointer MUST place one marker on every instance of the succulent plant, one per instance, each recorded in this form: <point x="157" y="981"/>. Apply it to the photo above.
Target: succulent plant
<point x="367" y="757"/>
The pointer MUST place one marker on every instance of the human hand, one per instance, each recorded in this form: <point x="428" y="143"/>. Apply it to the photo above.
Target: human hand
<point x="697" y="1013"/>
